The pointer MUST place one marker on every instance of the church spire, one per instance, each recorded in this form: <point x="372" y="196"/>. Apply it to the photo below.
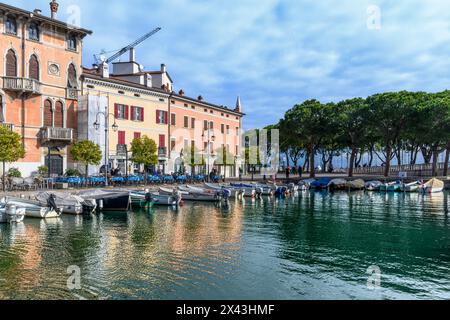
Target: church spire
<point x="238" y="105"/>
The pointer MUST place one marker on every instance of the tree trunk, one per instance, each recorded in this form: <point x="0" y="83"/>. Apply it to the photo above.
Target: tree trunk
<point x="370" y="158"/>
<point x="427" y="155"/>
<point x="434" y="171"/>
<point x="447" y="158"/>
<point x="312" y="172"/>
<point x="387" y="168"/>
<point x="306" y="164"/>
<point x="352" y="161"/>
<point x="86" y="175"/>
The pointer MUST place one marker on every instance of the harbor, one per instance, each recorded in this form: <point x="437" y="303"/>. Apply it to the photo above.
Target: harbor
<point x="310" y="245"/>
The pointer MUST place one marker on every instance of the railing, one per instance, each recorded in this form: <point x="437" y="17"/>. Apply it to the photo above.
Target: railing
<point x="57" y="134"/>
<point x="162" y="152"/>
<point x="412" y="169"/>
<point x="8" y="126"/>
<point x="21" y="84"/>
<point x="72" y="94"/>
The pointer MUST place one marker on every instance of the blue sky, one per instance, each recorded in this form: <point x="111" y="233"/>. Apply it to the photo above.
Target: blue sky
<point x="276" y="53"/>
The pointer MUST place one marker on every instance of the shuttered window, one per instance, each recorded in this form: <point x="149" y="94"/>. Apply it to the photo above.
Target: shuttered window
<point x="121" y="111"/>
<point x="72" y="77"/>
<point x="193" y="123"/>
<point x="48" y="114"/>
<point x="186" y="122"/>
<point x="121" y="137"/>
<point x="11" y="64"/>
<point x="162" y="141"/>
<point x="161" y="117"/>
<point x="137" y="114"/>
<point x="59" y="115"/>
<point x="173" y="119"/>
<point x="137" y="135"/>
<point x="33" y="68"/>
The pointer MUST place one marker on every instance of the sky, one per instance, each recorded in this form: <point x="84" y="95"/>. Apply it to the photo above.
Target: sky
<point x="275" y="53"/>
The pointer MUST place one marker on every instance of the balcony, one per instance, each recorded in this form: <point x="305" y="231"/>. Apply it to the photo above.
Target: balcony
<point x="162" y="153"/>
<point x="50" y="134"/>
<point x="8" y="126"/>
<point x="71" y="93"/>
<point x="21" y="85"/>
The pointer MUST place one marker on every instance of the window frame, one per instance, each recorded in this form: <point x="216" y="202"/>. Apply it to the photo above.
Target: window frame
<point x="38" y="33"/>
<point x="72" y="39"/>
<point x="8" y="25"/>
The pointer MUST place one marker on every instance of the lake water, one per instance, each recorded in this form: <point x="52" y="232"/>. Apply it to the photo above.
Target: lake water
<point x="314" y="246"/>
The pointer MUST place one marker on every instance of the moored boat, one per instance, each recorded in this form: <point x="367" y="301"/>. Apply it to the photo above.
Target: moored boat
<point x="320" y="184"/>
<point x="34" y="209"/>
<point x="71" y="204"/>
<point x="411" y="187"/>
<point x="11" y="213"/>
<point x="373" y="185"/>
<point x="395" y="187"/>
<point x="191" y="196"/>
<point x="234" y="192"/>
<point x="354" y="185"/>
<point x="304" y="185"/>
<point x="337" y="184"/>
<point x="432" y="186"/>
<point x="108" y="200"/>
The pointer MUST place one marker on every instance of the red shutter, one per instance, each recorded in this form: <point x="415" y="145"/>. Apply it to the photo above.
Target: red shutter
<point x="121" y="137"/>
<point x="162" y="141"/>
<point x="166" y="117"/>
<point x="142" y="114"/>
<point x="137" y="135"/>
<point x="133" y="113"/>
<point x="116" y="111"/>
<point x="126" y="112"/>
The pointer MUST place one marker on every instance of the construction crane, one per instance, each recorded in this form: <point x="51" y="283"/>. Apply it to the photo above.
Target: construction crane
<point x="100" y="58"/>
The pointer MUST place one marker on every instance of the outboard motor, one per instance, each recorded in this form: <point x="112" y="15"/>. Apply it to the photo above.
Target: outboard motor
<point x="51" y="203"/>
<point x="176" y="195"/>
<point x="259" y="192"/>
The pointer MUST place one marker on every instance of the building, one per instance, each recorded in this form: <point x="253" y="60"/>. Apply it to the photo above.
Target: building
<point x="140" y="102"/>
<point x="39" y="76"/>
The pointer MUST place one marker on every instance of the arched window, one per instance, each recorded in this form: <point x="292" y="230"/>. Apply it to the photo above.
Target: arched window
<point x="11" y="64"/>
<point x="11" y="25"/>
<point x="33" y="31"/>
<point x="72" y="42"/>
<point x="72" y="77"/>
<point x="33" y="68"/>
<point x="48" y="114"/>
<point x="59" y="115"/>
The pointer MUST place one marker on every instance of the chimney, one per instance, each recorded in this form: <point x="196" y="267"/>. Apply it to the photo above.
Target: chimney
<point x="54" y="8"/>
<point x="163" y="68"/>
<point x="104" y="70"/>
<point x="132" y="55"/>
<point x="37" y="11"/>
<point x="200" y="98"/>
<point x="181" y="92"/>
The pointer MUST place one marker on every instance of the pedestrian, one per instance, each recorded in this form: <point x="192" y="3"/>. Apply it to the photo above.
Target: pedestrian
<point x="300" y="171"/>
<point x="240" y="174"/>
<point x="288" y="172"/>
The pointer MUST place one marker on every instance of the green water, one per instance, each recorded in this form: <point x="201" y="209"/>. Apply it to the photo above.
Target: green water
<point x="314" y="246"/>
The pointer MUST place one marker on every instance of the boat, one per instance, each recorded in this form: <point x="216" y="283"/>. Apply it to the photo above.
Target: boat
<point x="108" y="200"/>
<point x="304" y="185"/>
<point x="235" y="192"/>
<point x="358" y="184"/>
<point x="373" y="185"/>
<point x="292" y="187"/>
<point x="141" y="199"/>
<point x="320" y="184"/>
<point x="337" y="184"/>
<point x="432" y="186"/>
<point x="223" y="194"/>
<point x="385" y="186"/>
<point x="411" y="187"/>
<point x="282" y="192"/>
<point x="34" y="209"/>
<point x="249" y="190"/>
<point x="10" y="213"/>
<point x="190" y="195"/>
<point x="395" y="187"/>
<point x="71" y="204"/>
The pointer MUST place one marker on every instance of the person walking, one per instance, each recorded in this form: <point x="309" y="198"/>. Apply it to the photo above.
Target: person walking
<point x="288" y="172"/>
<point x="300" y="171"/>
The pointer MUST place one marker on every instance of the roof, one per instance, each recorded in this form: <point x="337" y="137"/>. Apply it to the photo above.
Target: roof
<point x="92" y="73"/>
<point x="39" y="17"/>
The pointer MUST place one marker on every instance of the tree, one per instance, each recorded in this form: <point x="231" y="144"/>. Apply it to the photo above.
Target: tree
<point x="11" y="149"/>
<point x="87" y="153"/>
<point x="192" y="156"/>
<point x="225" y="158"/>
<point x="144" y="152"/>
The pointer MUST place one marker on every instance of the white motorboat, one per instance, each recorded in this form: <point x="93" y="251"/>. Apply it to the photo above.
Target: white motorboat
<point x="373" y="185"/>
<point x="190" y="195"/>
<point x="34" y="209"/>
<point x="234" y="192"/>
<point x="250" y="190"/>
<point x="11" y="213"/>
<point x="306" y="184"/>
<point x="71" y="204"/>
<point x="108" y="200"/>
<point x="432" y="186"/>
<point x="411" y="187"/>
<point x="148" y="198"/>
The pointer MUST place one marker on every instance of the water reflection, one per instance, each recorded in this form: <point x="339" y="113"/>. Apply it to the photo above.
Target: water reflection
<point x="312" y="245"/>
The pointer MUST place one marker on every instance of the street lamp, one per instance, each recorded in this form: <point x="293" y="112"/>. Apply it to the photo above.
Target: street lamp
<point x="115" y="127"/>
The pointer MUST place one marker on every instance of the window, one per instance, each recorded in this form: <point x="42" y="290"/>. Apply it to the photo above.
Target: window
<point x="137" y="114"/>
<point x="11" y="25"/>
<point x="48" y="114"/>
<point x="172" y="145"/>
<point x="193" y="123"/>
<point x="33" y="68"/>
<point x="205" y="146"/>
<point x="173" y="119"/>
<point x="137" y="135"/>
<point x="186" y="105"/>
<point x="193" y="107"/>
<point x="228" y="129"/>
<point x="205" y="125"/>
<point x="206" y="110"/>
<point x="237" y="150"/>
<point x="72" y="81"/>
<point x="11" y="64"/>
<point x="211" y="111"/>
<point x="222" y="128"/>
<point x="121" y="111"/>
<point x="33" y="31"/>
<point x="211" y="125"/>
<point x="162" y="141"/>
<point x="59" y="115"/>
<point x="186" y="122"/>
<point x="161" y="117"/>
<point x="72" y="42"/>
<point x="237" y="131"/>
<point x="121" y="137"/>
